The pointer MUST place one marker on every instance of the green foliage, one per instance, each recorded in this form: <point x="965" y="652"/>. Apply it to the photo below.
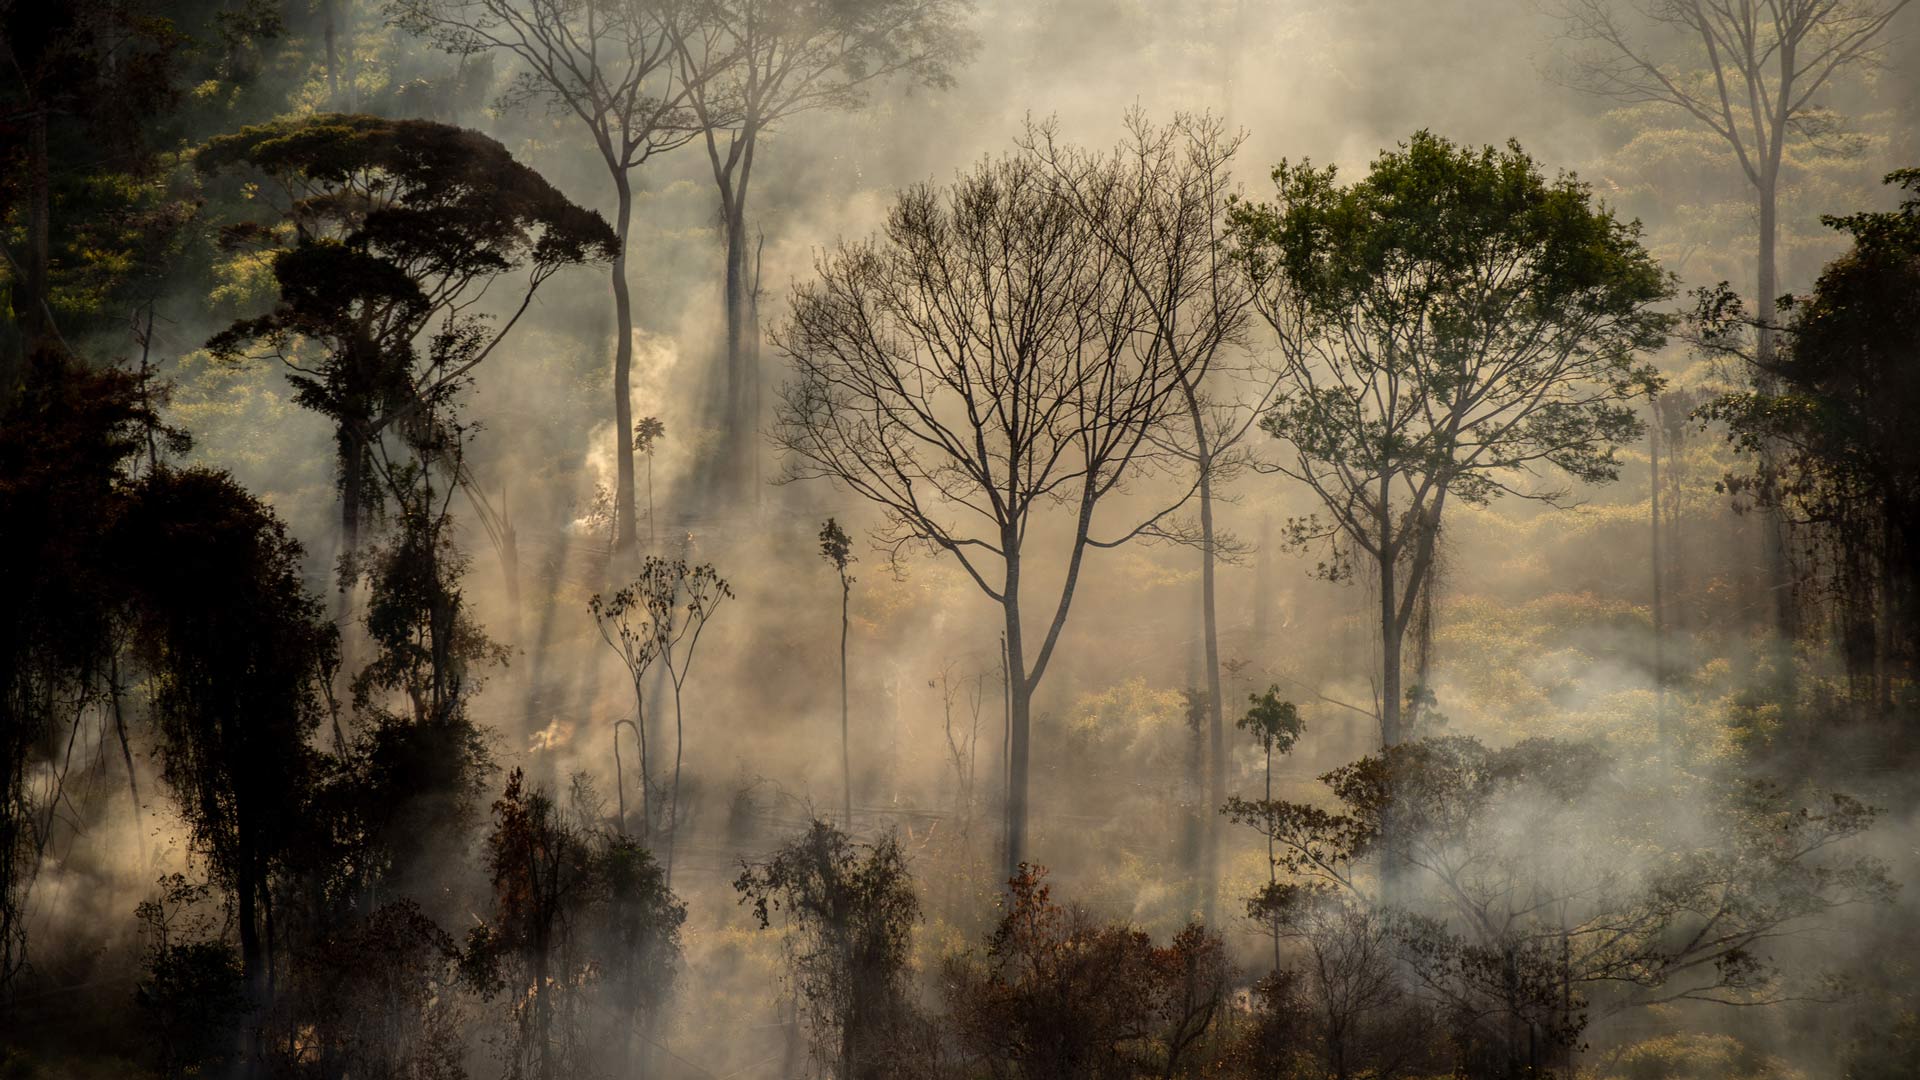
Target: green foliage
<point x="849" y="920"/>
<point x="1274" y="724"/>
<point x="1451" y="319"/>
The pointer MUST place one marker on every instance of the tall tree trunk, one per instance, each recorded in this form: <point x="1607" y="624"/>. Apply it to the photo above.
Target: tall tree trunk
<point x="846" y="759"/>
<point x="1216" y="720"/>
<point x="1020" y="701"/>
<point x="1392" y="636"/>
<point x="1391" y="640"/>
<point x="1774" y="526"/>
<point x="1263" y="582"/>
<point x="742" y="351"/>
<point x="1659" y="598"/>
<point x="34" y="311"/>
<point x="623" y="529"/>
<point x="333" y="59"/>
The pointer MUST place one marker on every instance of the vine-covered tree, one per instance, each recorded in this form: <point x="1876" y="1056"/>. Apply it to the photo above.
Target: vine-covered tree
<point x="389" y="233"/>
<point x="1828" y="433"/>
<point x="1448" y="327"/>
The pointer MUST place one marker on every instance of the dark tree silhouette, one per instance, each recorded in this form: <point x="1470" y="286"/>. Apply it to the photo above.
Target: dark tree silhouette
<point x="66" y="450"/>
<point x="398" y="226"/>
<point x="1828" y="431"/>
<point x="239" y="652"/>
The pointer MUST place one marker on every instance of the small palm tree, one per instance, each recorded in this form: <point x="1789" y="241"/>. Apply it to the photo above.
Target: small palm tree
<point x="646" y="435"/>
<point x="838" y="551"/>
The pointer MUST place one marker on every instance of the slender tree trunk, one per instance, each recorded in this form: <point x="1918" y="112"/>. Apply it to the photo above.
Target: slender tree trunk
<point x="673" y="794"/>
<point x="623" y="530"/>
<point x="1774" y="525"/>
<point x="742" y="348"/>
<point x="34" y="310"/>
<point x="333" y="61"/>
<point x="1216" y="780"/>
<point x="1391" y="639"/>
<point x="1659" y="606"/>
<point x="619" y="781"/>
<point x="1020" y="700"/>
<point x="846" y="759"/>
<point x="1273" y="871"/>
<point x="1392" y="636"/>
<point x="542" y="1006"/>
<point x="353" y="490"/>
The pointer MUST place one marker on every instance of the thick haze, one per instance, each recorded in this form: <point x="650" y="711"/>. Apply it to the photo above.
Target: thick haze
<point x="1333" y="82"/>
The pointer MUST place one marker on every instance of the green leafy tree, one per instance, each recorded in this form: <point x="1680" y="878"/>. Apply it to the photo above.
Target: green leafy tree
<point x="1275" y="725"/>
<point x="1448" y="327"/>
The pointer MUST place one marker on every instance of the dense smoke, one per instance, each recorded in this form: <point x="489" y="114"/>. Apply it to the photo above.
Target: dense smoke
<point x="1684" y="836"/>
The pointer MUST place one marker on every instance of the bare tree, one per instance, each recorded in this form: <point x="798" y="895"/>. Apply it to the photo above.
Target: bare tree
<point x="611" y="65"/>
<point x="1749" y="71"/>
<point x="986" y="357"/>
<point x="751" y="65"/>
<point x="659" y="618"/>
<point x="626" y="626"/>
<point x="1159" y="206"/>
